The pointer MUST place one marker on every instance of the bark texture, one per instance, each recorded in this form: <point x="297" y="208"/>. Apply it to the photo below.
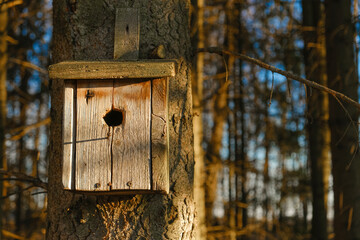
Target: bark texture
<point x="318" y="114"/>
<point x="344" y="131"/>
<point x="84" y="30"/>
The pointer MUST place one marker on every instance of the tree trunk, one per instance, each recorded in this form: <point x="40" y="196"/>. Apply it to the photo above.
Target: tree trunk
<point x="214" y="164"/>
<point x="266" y="203"/>
<point x="318" y="114"/>
<point x="21" y="149"/>
<point x="3" y="67"/>
<point x="230" y="43"/>
<point x="84" y="30"/>
<point x="213" y="161"/>
<point x="197" y="92"/>
<point x="344" y="131"/>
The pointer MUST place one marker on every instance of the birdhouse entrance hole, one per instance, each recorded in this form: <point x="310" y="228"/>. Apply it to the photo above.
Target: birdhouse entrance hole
<point x="114" y="117"/>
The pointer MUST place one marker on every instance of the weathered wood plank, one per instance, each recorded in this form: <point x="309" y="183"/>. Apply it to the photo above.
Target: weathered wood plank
<point x="159" y="136"/>
<point x="112" y="69"/>
<point x="93" y="137"/>
<point x="68" y="138"/>
<point x="131" y="144"/>
<point x="127" y="31"/>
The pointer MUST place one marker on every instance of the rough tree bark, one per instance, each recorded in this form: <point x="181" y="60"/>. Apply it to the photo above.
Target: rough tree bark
<point x="344" y="131"/>
<point x="3" y="67"/>
<point x="318" y="114"/>
<point x="84" y="30"/>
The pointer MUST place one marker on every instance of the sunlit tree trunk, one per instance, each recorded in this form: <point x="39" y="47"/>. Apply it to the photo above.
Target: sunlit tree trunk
<point x="230" y="43"/>
<point x="317" y="115"/>
<point x="3" y="67"/>
<point x="343" y="122"/>
<point x="197" y="92"/>
<point x="213" y="164"/>
<point x="84" y="30"/>
<point x="213" y="160"/>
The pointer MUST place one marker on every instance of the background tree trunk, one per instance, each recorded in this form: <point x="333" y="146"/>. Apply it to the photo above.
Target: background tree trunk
<point x="318" y="114"/>
<point x="197" y="93"/>
<point x="214" y="164"/>
<point x="344" y="131"/>
<point x="3" y="67"/>
<point x="230" y="43"/>
<point x="84" y="30"/>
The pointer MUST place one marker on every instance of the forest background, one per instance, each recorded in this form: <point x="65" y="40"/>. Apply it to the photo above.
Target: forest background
<point x="262" y="141"/>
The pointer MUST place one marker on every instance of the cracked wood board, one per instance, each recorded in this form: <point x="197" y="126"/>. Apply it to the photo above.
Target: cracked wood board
<point x="107" y="158"/>
<point x="131" y="144"/>
<point x="159" y="135"/>
<point x="93" y="136"/>
<point x="86" y="177"/>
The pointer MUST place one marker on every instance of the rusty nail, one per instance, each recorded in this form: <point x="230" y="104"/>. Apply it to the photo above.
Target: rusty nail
<point x="129" y="183"/>
<point x="89" y="94"/>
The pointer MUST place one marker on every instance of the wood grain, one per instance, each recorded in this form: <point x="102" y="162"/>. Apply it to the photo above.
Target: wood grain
<point x="159" y="136"/>
<point x="127" y="31"/>
<point x="93" y="137"/>
<point x="131" y="144"/>
<point x="112" y="69"/>
<point x="132" y="156"/>
<point x="68" y="137"/>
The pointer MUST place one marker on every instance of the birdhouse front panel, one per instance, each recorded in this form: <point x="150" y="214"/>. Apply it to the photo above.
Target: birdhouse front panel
<point x="115" y="136"/>
<point x="131" y="140"/>
<point x="93" y="137"/>
<point x="112" y="134"/>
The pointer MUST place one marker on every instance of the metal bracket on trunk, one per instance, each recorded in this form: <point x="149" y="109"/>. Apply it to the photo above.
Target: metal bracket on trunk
<point x="127" y="31"/>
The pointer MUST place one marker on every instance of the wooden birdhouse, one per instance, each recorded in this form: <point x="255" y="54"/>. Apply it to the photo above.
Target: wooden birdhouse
<point x="115" y="134"/>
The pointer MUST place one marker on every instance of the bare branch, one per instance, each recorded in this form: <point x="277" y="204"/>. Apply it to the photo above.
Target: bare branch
<point x="287" y="74"/>
<point x="16" y="192"/>
<point x="28" y="65"/>
<point x="25" y="129"/>
<point x="11" y="235"/>
<point x="17" y="176"/>
<point x="10" y="4"/>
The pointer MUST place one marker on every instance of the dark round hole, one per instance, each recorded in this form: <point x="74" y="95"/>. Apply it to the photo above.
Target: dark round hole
<point x="114" y="117"/>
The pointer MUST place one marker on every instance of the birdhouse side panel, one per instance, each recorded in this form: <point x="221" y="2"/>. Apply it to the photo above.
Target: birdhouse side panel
<point x="68" y="136"/>
<point x="159" y="135"/>
<point x="93" y="135"/>
<point x="131" y="144"/>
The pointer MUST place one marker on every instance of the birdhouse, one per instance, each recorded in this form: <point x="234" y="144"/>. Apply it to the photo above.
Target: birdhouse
<point x="115" y="134"/>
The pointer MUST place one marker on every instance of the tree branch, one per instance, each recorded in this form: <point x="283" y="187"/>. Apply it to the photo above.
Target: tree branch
<point x="28" y="65"/>
<point x="25" y="129"/>
<point x="287" y="74"/>
<point x="10" y="4"/>
<point x="17" y="192"/>
<point x="23" y="177"/>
